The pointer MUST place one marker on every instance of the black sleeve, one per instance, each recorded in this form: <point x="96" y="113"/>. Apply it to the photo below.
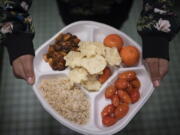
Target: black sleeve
<point x="16" y="29"/>
<point x="157" y="25"/>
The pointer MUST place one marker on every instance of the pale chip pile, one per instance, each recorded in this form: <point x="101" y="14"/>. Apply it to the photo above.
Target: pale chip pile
<point x="77" y="75"/>
<point x="93" y="57"/>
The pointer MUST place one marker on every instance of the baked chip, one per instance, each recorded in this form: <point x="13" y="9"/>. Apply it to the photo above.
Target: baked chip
<point x="100" y="48"/>
<point x="94" y="64"/>
<point x="89" y="49"/>
<point x="92" y="84"/>
<point x="73" y="59"/>
<point x="77" y="75"/>
<point x="112" y="56"/>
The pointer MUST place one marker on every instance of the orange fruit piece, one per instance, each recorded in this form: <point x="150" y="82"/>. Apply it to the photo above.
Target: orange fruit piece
<point x="130" y="55"/>
<point x="113" y="40"/>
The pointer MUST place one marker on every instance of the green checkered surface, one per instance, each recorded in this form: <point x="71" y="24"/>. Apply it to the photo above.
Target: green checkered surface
<point x="22" y="114"/>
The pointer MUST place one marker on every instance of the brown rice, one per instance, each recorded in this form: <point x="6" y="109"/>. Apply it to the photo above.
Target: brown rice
<point x="68" y="100"/>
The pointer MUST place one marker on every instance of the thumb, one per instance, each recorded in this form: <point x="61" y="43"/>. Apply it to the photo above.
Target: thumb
<point x="28" y="69"/>
<point x="163" y="67"/>
<point x="153" y="65"/>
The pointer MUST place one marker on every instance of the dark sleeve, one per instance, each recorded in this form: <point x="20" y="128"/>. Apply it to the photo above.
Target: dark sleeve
<point x="16" y="29"/>
<point x="157" y="26"/>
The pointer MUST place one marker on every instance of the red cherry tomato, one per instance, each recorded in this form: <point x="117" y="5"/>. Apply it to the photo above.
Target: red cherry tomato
<point x="121" y="110"/>
<point x="109" y="109"/>
<point x="121" y="84"/>
<point x="124" y="96"/>
<point x="134" y="95"/>
<point x="110" y="91"/>
<point x="115" y="100"/>
<point x="128" y="75"/>
<point x="106" y="74"/>
<point x="108" y="121"/>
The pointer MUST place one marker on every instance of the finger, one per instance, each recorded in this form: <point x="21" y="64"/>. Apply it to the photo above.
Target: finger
<point x="18" y="70"/>
<point x="163" y="67"/>
<point x="153" y="66"/>
<point x="28" y="69"/>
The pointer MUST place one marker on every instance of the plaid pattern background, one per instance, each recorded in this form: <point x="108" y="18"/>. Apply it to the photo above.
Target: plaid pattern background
<point x="22" y="114"/>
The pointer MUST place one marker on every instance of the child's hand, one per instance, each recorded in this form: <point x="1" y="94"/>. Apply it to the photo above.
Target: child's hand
<point x="23" y="68"/>
<point x="158" y="68"/>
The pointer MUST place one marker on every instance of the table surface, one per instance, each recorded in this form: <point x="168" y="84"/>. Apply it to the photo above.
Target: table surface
<point x="22" y="114"/>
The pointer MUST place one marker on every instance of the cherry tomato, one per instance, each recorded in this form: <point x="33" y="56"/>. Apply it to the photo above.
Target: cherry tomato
<point x="121" y="110"/>
<point x="128" y="75"/>
<point x="108" y="110"/>
<point x="129" y="88"/>
<point x="121" y="84"/>
<point x="108" y="121"/>
<point x="124" y="96"/>
<point x="115" y="100"/>
<point x="136" y="83"/>
<point x="106" y="74"/>
<point x="134" y="95"/>
<point x="110" y="91"/>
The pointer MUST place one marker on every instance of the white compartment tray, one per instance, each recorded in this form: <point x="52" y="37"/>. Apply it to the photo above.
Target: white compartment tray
<point x="92" y="31"/>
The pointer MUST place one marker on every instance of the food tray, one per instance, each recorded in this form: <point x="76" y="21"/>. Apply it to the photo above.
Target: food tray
<point x="92" y="31"/>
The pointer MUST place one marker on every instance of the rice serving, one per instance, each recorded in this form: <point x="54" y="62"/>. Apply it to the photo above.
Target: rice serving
<point x="68" y="100"/>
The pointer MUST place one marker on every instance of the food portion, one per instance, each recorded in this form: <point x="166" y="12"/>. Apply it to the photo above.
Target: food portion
<point x="105" y="75"/>
<point x="90" y="63"/>
<point x="78" y="75"/>
<point x="94" y="64"/>
<point x="112" y="56"/>
<point x="95" y="60"/>
<point x="113" y="40"/>
<point x="92" y="84"/>
<point x="56" y="52"/>
<point x="130" y="55"/>
<point x="123" y="92"/>
<point x="66" y="99"/>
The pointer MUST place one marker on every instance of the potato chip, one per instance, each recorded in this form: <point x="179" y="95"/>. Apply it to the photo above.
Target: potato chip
<point x="92" y="84"/>
<point x="112" y="56"/>
<point x="91" y="48"/>
<point x="77" y="75"/>
<point x="94" y="64"/>
<point x="87" y="48"/>
<point x="100" y="48"/>
<point x="73" y="59"/>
